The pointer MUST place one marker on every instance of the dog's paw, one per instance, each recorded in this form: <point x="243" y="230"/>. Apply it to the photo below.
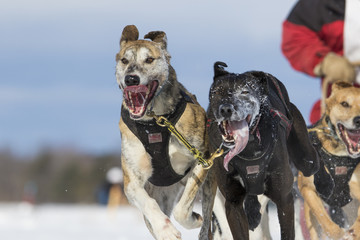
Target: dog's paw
<point x="187" y="219"/>
<point x="336" y="232"/>
<point x="167" y="231"/>
<point x="350" y="235"/>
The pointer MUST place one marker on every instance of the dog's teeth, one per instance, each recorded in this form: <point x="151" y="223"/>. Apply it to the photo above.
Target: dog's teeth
<point x="131" y="101"/>
<point x="225" y="128"/>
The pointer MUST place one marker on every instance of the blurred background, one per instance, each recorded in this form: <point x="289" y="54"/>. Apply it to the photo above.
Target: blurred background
<point x="59" y="101"/>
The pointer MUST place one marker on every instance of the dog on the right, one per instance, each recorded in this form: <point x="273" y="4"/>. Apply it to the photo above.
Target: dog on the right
<point x="336" y="136"/>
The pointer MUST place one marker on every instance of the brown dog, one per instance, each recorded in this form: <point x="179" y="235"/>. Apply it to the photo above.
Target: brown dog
<point x="337" y="139"/>
<point x="156" y="164"/>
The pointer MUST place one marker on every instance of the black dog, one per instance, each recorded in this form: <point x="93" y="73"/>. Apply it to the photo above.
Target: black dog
<point x="250" y="114"/>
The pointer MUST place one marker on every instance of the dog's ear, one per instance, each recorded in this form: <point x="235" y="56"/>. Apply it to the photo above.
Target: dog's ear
<point x="130" y="33"/>
<point x="263" y="79"/>
<point x="159" y="37"/>
<point x="340" y="85"/>
<point x="219" y="69"/>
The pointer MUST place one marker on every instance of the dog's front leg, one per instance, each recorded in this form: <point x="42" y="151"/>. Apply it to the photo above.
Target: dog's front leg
<point x="307" y="190"/>
<point x="183" y="211"/>
<point x="160" y="224"/>
<point x="237" y="219"/>
<point x="354" y="184"/>
<point x="208" y="197"/>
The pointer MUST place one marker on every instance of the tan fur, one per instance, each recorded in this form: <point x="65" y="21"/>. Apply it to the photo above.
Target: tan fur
<point x="151" y="200"/>
<point x="331" y="144"/>
<point x="325" y="85"/>
<point x="191" y="125"/>
<point x="135" y="46"/>
<point x="315" y="212"/>
<point x="314" y="206"/>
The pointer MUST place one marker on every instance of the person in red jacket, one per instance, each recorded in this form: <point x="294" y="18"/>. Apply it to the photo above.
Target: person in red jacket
<point x="313" y="41"/>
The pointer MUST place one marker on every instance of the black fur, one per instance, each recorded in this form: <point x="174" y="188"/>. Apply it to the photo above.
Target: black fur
<point x="252" y="210"/>
<point x="272" y="144"/>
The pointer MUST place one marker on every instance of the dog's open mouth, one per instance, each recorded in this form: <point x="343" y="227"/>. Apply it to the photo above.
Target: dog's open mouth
<point x="236" y="137"/>
<point x="137" y="98"/>
<point x="351" y="138"/>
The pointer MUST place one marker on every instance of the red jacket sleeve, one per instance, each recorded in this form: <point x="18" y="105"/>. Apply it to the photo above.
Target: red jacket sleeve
<point x="312" y="29"/>
<point x="302" y="47"/>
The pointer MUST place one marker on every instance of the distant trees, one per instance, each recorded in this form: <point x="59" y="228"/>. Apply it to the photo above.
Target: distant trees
<point x="53" y="176"/>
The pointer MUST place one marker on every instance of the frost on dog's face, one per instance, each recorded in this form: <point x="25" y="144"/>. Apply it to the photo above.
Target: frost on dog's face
<point x="141" y="69"/>
<point x="235" y="100"/>
<point x="343" y="108"/>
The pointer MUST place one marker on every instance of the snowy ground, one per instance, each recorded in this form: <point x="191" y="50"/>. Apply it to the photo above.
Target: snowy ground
<point x="78" y="222"/>
<point x="74" y="222"/>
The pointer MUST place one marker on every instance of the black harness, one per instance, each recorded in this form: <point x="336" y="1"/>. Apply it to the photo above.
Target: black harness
<point x="341" y="169"/>
<point x="156" y="140"/>
<point x="252" y="170"/>
<point x="252" y="165"/>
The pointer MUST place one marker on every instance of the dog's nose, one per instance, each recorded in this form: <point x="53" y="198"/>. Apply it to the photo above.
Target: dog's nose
<point x="226" y="110"/>
<point x="357" y="121"/>
<point x="131" y="80"/>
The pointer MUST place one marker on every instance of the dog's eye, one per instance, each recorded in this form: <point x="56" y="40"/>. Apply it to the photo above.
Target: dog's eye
<point x="345" y="104"/>
<point x="217" y="92"/>
<point x="124" y="61"/>
<point x="245" y="92"/>
<point x="149" y="60"/>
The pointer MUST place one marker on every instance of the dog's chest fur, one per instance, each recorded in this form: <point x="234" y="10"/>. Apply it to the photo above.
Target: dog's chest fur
<point x="179" y="157"/>
<point x="158" y="144"/>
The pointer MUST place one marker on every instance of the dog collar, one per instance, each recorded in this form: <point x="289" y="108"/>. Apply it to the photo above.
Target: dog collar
<point x="329" y="130"/>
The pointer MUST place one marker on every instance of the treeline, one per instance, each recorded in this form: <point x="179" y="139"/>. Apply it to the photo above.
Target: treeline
<point x="54" y="176"/>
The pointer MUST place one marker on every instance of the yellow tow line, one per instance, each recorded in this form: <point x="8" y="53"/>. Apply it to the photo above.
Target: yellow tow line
<point x="206" y="163"/>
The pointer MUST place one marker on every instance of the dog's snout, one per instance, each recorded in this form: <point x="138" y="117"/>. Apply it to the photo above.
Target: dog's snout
<point x="226" y="110"/>
<point x="357" y="121"/>
<point x="131" y="80"/>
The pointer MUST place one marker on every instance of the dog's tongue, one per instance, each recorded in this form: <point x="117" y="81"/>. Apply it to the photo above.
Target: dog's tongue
<point x="240" y="132"/>
<point x="354" y="139"/>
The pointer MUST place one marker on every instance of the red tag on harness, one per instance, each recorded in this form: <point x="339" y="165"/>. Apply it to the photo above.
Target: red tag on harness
<point x="342" y="170"/>
<point x="253" y="169"/>
<point x="154" y="137"/>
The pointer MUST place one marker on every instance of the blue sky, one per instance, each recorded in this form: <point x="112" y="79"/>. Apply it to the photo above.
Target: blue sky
<point x="57" y="62"/>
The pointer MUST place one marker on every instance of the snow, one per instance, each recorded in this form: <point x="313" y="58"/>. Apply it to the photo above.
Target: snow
<point x="75" y="222"/>
<point x="21" y="221"/>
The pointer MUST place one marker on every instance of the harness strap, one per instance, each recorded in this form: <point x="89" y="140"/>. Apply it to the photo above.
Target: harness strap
<point x="285" y="118"/>
<point x="340" y="168"/>
<point x="276" y="84"/>
<point x="155" y="140"/>
<point x="284" y="121"/>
